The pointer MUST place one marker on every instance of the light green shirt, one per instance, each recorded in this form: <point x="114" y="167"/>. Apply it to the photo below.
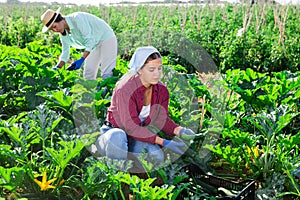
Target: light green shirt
<point x="87" y="31"/>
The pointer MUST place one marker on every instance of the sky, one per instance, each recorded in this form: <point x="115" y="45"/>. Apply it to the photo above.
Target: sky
<point x="96" y="2"/>
<point x="80" y="2"/>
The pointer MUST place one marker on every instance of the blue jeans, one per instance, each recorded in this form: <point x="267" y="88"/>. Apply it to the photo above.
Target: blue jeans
<point x="147" y="151"/>
<point x="113" y="143"/>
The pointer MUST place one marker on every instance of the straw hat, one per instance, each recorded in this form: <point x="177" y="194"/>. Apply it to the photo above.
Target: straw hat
<point x="48" y="18"/>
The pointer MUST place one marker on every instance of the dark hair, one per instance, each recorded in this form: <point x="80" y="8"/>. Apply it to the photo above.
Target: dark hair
<point x="59" y="18"/>
<point x="153" y="56"/>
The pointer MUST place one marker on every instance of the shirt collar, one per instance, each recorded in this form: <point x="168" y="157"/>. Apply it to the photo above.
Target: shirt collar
<point x="69" y="22"/>
<point x="140" y="85"/>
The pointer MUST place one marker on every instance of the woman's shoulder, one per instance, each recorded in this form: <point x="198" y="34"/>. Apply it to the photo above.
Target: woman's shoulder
<point x="127" y="86"/>
<point x="161" y="85"/>
<point x="161" y="88"/>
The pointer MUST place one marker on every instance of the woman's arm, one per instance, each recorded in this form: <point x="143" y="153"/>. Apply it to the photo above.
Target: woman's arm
<point x="160" y="114"/>
<point x="159" y="140"/>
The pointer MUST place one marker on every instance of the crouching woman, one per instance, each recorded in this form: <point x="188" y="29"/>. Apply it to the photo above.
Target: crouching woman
<point x="140" y="100"/>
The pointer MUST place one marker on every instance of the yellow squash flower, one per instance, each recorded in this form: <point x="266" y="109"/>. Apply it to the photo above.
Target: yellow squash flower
<point x="255" y="151"/>
<point x="44" y="185"/>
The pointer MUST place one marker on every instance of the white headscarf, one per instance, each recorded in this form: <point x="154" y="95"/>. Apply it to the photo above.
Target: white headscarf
<point x="137" y="61"/>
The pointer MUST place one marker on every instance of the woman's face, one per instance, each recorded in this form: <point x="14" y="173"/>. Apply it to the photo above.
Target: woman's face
<point x="58" y="27"/>
<point x="151" y="72"/>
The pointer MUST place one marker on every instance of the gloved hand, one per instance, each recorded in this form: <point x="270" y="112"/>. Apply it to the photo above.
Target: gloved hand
<point x="55" y="68"/>
<point x="187" y="134"/>
<point x="76" y="64"/>
<point x="177" y="147"/>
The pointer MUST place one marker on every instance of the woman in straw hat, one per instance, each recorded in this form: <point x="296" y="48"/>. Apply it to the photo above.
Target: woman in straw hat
<point x="84" y="31"/>
<point x="140" y="101"/>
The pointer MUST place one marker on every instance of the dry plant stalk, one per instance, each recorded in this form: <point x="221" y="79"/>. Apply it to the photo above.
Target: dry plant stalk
<point x="248" y="17"/>
<point x="171" y="13"/>
<point x="199" y="14"/>
<point x="202" y="112"/>
<point x="260" y="20"/>
<point x="281" y="24"/>
<point x="104" y="13"/>
<point x="202" y="117"/>
<point x="25" y="15"/>
<point x="4" y="20"/>
<point x="151" y="15"/>
<point x="158" y="14"/>
<point x="214" y="11"/>
<point x="178" y="13"/>
<point x="192" y="16"/>
<point x="135" y="13"/>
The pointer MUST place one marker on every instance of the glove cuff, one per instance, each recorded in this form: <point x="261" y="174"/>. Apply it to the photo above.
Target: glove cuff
<point x="182" y="131"/>
<point x="165" y="142"/>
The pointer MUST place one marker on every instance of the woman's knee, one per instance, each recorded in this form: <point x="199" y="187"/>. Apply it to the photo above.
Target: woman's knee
<point x="117" y="145"/>
<point x="117" y="135"/>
